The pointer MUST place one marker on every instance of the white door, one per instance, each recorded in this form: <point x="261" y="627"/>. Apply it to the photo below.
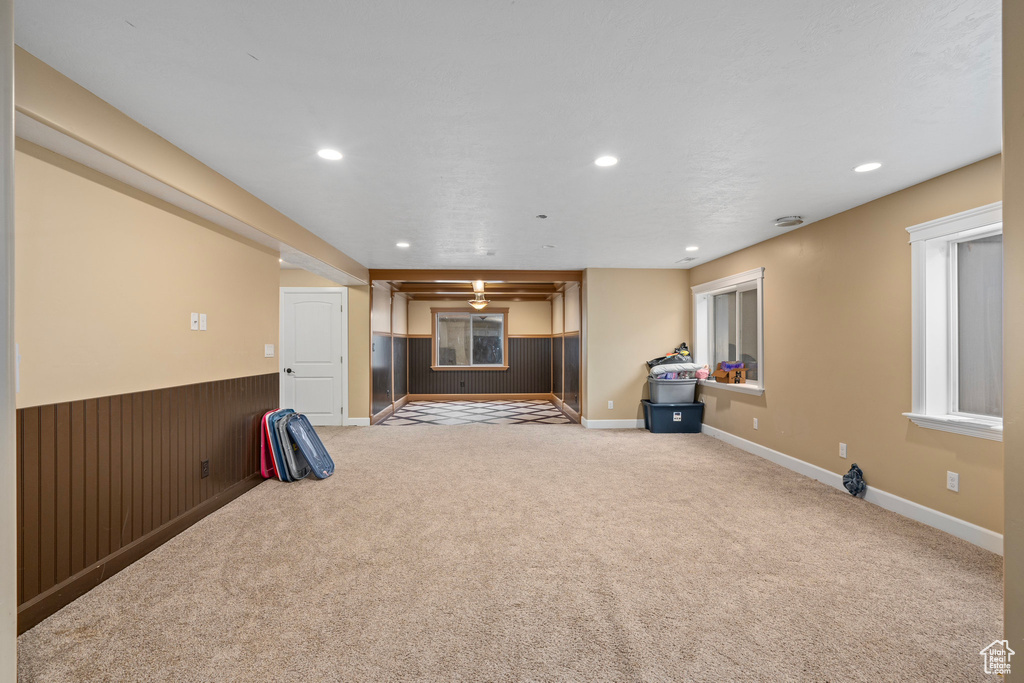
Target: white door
<point x="313" y="338"/>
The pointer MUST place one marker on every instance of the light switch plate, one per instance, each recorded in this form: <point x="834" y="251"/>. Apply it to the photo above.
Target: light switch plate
<point x="195" y="321"/>
<point x="202" y="322"/>
<point x="268" y="351"/>
<point x="611" y="405"/>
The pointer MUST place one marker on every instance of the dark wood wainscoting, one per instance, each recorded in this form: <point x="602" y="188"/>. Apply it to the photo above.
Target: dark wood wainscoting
<point x="529" y="371"/>
<point x="400" y="346"/>
<point x="103" y="481"/>
<point x="556" y="366"/>
<point x="380" y="369"/>
<point x="572" y="371"/>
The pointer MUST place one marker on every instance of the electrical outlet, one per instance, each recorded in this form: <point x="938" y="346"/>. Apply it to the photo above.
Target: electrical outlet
<point x="462" y="385"/>
<point x="205" y="467"/>
<point x="202" y="322"/>
<point x="611" y="405"/>
<point x="842" y="449"/>
<point x="195" y="322"/>
<point x="953" y="481"/>
<point x="755" y="423"/>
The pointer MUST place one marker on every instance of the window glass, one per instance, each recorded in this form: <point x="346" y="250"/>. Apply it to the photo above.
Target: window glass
<point x="453" y="339"/>
<point x="748" y="332"/>
<point x="725" y="327"/>
<point x="465" y="339"/>
<point x="979" y="332"/>
<point x="488" y="339"/>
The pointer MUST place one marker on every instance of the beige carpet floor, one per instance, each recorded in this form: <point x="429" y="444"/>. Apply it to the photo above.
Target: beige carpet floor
<point x="491" y="553"/>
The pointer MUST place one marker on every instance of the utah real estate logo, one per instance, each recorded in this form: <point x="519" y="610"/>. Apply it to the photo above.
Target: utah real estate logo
<point x="997" y="658"/>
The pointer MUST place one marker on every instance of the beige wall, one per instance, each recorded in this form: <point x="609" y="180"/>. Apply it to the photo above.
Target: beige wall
<point x="524" y="317"/>
<point x="51" y="98"/>
<point x="838" y="355"/>
<point x="572" y="303"/>
<point x="107" y="278"/>
<point x="296" y="277"/>
<point x="380" y="313"/>
<point x="400" y="315"/>
<point x="557" y="314"/>
<point x="1013" y="323"/>
<point x="359" y="351"/>
<point x="626" y="327"/>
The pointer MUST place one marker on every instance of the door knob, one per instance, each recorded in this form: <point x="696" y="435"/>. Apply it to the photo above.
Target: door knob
<point x="289" y="371"/>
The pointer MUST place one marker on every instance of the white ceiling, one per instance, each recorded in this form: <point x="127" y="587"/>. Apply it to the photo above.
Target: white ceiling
<point x="461" y="120"/>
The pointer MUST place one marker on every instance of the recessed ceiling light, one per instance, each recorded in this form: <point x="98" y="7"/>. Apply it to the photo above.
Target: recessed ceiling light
<point x="871" y="166"/>
<point x="692" y="248"/>
<point x="788" y="221"/>
<point x="606" y="161"/>
<point x="329" y="154"/>
<point x="280" y="260"/>
<point x="547" y="246"/>
<point x="402" y="245"/>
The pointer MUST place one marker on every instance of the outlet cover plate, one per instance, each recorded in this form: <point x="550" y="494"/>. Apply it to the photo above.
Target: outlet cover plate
<point x="842" y="449"/>
<point x="953" y="481"/>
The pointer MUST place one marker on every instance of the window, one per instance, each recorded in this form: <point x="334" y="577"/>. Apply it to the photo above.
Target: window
<point x="957" y="271"/>
<point x="729" y="326"/>
<point x="466" y="339"/>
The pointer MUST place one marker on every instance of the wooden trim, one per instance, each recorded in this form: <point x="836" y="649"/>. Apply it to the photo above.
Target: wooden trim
<point x="47" y="603"/>
<point x="470" y="275"/>
<point x="387" y="412"/>
<point x="399" y="403"/>
<point x="575" y="333"/>
<point x="473" y="368"/>
<point x="529" y="336"/>
<point x="479" y="397"/>
<point x="470" y="310"/>
<point x="382" y="334"/>
<point x="570" y="413"/>
<point x="417" y="336"/>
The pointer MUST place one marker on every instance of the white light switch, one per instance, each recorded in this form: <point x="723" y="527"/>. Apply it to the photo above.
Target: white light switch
<point x="202" y="322"/>
<point x="195" y="321"/>
<point x="611" y="405"/>
<point x="268" y="351"/>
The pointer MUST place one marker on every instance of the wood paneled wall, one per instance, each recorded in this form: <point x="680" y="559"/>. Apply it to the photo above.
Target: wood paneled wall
<point x="399" y="351"/>
<point x="571" y="358"/>
<point x="380" y="369"/>
<point x="103" y="481"/>
<point x="556" y="366"/>
<point x="529" y="371"/>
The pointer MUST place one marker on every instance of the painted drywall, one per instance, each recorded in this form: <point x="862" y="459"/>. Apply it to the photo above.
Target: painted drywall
<point x="524" y="317"/>
<point x="359" y="351"/>
<point x="837" y="337"/>
<point x="1013" y="322"/>
<point x="626" y="326"/>
<point x="296" y="277"/>
<point x="380" y="313"/>
<point x="107" y="279"/>
<point x="400" y="315"/>
<point x="51" y="98"/>
<point x="557" y="314"/>
<point x="8" y="464"/>
<point x="573" y="317"/>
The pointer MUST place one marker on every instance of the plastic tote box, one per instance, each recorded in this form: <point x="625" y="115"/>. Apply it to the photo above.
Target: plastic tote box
<point x="671" y="390"/>
<point x="673" y="418"/>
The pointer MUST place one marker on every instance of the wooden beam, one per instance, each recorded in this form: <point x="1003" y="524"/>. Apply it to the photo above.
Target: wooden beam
<point x="545" y="276"/>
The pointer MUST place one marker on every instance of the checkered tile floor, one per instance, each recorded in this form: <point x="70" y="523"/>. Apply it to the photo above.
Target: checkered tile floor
<point x="477" y="412"/>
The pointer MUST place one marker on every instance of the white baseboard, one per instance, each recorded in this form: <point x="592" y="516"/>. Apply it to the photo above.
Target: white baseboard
<point x="612" y="424"/>
<point x="357" y="422"/>
<point x="979" y="536"/>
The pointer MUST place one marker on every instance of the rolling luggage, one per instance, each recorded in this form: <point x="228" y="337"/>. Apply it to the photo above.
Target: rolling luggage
<point x="309" y="446"/>
<point x="267" y="468"/>
<point x="294" y="464"/>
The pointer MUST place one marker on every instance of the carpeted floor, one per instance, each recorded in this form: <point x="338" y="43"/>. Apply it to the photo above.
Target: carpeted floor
<point x="532" y="552"/>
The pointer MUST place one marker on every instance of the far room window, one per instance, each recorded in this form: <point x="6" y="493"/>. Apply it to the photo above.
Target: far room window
<point x="957" y="271"/>
<point x="464" y="339"/>
<point x="729" y="325"/>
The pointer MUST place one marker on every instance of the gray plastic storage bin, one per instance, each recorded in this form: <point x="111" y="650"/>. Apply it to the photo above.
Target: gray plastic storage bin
<point x="671" y="390"/>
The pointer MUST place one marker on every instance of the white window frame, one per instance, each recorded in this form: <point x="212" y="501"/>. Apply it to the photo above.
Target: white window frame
<point x="703" y="324"/>
<point x="934" y="336"/>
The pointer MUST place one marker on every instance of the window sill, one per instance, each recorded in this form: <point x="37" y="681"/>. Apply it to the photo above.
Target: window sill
<point x="968" y="426"/>
<point x="747" y="388"/>
<point x="469" y="367"/>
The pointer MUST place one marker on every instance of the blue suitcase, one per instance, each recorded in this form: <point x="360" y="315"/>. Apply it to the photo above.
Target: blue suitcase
<point x="294" y="463"/>
<point x="309" y="446"/>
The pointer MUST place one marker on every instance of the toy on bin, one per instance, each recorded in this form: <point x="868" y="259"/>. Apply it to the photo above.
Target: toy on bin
<point x="730" y="372"/>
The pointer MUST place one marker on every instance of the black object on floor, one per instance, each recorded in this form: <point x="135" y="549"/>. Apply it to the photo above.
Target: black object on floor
<point x="673" y="418"/>
<point x="854" y="481"/>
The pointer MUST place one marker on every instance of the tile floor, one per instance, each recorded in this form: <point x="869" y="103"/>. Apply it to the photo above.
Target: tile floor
<point x="477" y="412"/>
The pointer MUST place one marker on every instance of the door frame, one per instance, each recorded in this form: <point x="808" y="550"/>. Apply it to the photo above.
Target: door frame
<point x="344" y="340"/>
